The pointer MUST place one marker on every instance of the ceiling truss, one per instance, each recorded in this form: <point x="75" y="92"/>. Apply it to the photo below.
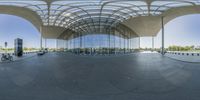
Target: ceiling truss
<point x="89" y="16"/>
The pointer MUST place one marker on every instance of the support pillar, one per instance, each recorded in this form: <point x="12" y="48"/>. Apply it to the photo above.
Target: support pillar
<point x="109" y="47"/>
<point x="73" y="43"/>
<point x="45" y="43"/>
<point x="131" y="43"/>
<point x="129" y="50"/>
<point x="66" y="44"/>
<point x="163" y="36"/>
<point x="41" y="37"/>
<point x="124" y="40"/>
<point x="56" y="44"/>
<point x="84" y="46"/>
<point x="120" y="44"/>
<point x="114" y="36"/>
<point x="80" y="48"/>
<point x="152" y="43"/>
<point x="139" y="43"/>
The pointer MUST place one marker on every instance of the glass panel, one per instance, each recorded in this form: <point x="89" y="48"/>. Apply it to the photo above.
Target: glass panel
<point x="92" y="11"/>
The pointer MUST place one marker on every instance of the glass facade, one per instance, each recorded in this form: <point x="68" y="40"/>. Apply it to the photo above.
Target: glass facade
<point x="99" y="44"/>
<point x="115" y="40"/>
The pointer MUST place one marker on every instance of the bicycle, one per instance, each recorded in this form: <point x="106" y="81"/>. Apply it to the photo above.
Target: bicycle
<point x="7" y="57"/>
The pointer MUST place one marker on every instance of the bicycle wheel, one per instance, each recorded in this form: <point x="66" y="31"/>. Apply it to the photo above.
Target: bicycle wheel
<point x="2" y="59"/>
<point x="11" y="58"/>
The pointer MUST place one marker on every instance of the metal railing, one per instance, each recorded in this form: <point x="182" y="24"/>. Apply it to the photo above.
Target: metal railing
<point x="184" y="53"/>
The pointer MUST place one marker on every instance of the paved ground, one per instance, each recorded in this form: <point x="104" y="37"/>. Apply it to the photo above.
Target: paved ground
<point x="67" y="77"/>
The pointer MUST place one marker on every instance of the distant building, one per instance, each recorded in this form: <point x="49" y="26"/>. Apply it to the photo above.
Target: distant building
<point x="18" y="47"/>
<point x="196" y="47"/>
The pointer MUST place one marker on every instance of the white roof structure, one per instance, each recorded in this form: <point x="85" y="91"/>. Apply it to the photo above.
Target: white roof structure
<point x="87" y="16"/>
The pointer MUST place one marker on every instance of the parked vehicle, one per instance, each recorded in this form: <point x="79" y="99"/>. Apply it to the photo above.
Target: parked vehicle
<point x="41" y="52"/>
<point x="46" y="50"/>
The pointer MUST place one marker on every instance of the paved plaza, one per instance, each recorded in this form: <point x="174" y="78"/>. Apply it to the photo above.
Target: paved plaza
<point x="62" y="76"/>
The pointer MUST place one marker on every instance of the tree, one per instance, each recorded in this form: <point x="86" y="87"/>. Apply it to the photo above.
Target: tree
<point x="180" y="48"/>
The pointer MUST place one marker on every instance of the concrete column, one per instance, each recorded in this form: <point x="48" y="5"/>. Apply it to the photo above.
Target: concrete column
<point x="45" y="43"/>
<point x="80" y="37"/>
<point x="80" y="40"/>
<point x="120" y="44"/>
<point x="109" y="47"/>
<point x="139" y="43"/>
<point x="66" y="45"/>
<point x="124" y="41"/>
<point x="73" y="43"/>
<point x="152" y="43"/>
<point x="163" y="36"/>
<point x="40" y="37"/>
<point x="56" y="44"/>
<point x="114" y="36"/>
<point x="131" y="43"/>
<point x="83" y="43"/>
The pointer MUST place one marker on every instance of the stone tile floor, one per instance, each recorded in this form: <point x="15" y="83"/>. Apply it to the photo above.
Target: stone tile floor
<point x="60" y="76"/>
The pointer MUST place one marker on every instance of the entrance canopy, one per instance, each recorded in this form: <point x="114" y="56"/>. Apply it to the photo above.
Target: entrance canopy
<point x="93" y="16"/>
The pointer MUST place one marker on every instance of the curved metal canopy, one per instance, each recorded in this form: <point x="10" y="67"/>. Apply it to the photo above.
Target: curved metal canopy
<point x="95" y="15"/>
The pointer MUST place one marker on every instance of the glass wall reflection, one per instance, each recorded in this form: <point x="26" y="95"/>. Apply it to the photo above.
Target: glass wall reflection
<point x="94" y="44"/>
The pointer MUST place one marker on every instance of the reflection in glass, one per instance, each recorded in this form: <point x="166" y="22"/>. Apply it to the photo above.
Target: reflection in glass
<point x="93" y="44"/>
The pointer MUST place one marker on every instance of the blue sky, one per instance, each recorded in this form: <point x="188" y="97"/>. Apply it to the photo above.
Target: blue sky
<point x="181" y="31"/>
<point x="12" y="27"/>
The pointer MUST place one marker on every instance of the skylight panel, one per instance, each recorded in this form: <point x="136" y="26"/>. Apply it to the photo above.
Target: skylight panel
<point x="171" y="3"/>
